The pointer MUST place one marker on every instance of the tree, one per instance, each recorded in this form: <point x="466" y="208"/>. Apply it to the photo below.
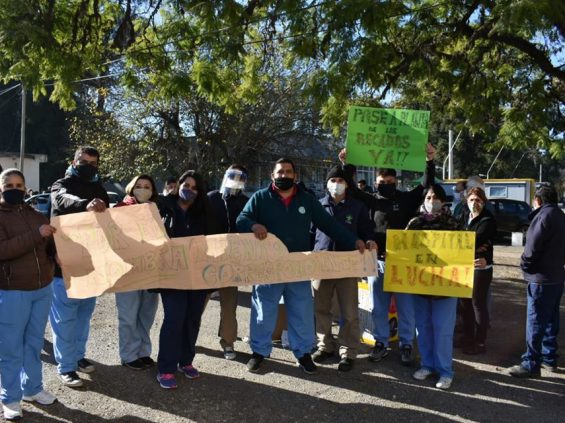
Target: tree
<point x="495" y="63"/>
<point x="140" y="131"/>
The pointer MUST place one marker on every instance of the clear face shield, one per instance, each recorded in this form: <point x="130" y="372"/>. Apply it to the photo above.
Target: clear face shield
<point x="233" y="182"/>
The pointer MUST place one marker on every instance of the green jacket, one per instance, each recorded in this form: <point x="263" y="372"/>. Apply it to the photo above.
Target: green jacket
<point x="292" y="224"/>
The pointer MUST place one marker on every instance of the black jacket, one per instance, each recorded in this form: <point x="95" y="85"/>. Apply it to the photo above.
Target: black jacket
<point x="197" y="221"/>
<point x="72" y="194"/>
<point x="543" y="259"/>
<point x="484" y="226"/>
<point x="226" y="209"/>
<point x="395" y="212"/>
<point x="353" y="215"/>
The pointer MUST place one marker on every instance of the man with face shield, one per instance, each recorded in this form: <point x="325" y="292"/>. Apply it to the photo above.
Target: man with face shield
<point x="392" y="209"/>
<point x="227" y="203"/>
<point x="80" y="190"/>
<point x="354" y="216"/>
<point x="287" y="212"/>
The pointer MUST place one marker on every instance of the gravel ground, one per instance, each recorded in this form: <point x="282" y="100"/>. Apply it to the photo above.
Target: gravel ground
<point x="481" y="392"/>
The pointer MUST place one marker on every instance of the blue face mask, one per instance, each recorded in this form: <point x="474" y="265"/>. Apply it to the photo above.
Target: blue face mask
<point x="187" y="194"/>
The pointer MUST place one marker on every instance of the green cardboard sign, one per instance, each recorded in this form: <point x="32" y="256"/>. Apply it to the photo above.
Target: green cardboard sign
<point x="387" y="138"/>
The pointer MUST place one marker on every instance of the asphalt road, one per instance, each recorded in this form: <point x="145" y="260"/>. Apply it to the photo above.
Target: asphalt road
<point x="481" y="392"/>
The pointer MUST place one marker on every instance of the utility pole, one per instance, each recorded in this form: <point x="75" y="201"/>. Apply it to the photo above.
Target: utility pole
<point x="450" y="162"/>
<point x="494" y="161"/>
<point x="23" y="129"/>
<point x="540" y="171"/>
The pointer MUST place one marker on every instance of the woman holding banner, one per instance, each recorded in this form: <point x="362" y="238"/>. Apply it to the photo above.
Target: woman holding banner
<point x="435" y="316"/>
<point x="136" y="309"/>
<point x="185" y="213"/>
<point x="475" y="310"/>
<point x="27" y="264"/>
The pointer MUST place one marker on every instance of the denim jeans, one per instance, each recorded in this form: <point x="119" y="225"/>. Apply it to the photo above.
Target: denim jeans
<point x="381" y="304"/>
<point x="542" y="325"/>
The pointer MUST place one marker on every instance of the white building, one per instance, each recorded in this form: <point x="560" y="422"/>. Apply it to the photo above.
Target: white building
<point x="31" y="166"/>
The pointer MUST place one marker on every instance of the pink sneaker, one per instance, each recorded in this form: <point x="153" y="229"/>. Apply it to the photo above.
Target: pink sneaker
<point x="167" y="380"/>
<point x="189" y="371"/>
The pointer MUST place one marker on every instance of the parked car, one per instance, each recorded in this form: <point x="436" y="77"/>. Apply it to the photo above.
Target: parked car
<point x="41" y="203"/>
<point x="511" y="215"/>
<point x="115" y="198"/>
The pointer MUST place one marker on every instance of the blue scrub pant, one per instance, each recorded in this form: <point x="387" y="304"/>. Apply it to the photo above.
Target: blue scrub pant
<point x="136" y="313"/>
<point x="435" y="324"/>
<point x="181" y="323"/>
<point x="381" y="305"/>
<point x="542" y="325"/>
<point x="70" y="322"/>
<point x="300" y="312"/>
<point x="23" y="317"/>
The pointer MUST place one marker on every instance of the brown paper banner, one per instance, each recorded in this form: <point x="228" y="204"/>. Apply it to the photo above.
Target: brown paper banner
<point x="127" y="249"/>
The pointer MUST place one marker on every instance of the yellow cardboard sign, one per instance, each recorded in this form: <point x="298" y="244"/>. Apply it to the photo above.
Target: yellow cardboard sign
<point x="430" y="262"/>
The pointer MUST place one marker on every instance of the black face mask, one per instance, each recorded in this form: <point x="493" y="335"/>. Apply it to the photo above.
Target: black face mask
<point x="86" y="171"/>
<point x="13" y="196"/>
<point x="386" y="190"/>
<point x="284" y="184"/>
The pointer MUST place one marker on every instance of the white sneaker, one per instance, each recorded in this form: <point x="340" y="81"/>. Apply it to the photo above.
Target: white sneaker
<point x="43" y="398"/>
<point x="421" y="374"/>
<point x="12" y="411"/>
<point x="229" y="353"/>
<point x="444" y="383"/>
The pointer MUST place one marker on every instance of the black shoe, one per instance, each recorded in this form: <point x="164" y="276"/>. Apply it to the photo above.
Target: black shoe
<point x="320" y="356"/>
<point x="71" y="379"/>
<point x="345" y="364"/>
<point x="307" y="365"/>
<point x="85" y="366"/>
<point x="254" y="362"/>
<point x="147" y="361"/>
<point x="475" y="349"/>
<point x="406" y="355"/>
<point x="521" y="372"/>
<point x="379" y="352"/>
<point x="135" y="365"/>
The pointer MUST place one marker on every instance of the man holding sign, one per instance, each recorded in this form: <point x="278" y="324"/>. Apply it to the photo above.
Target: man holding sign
<point x="287" y="212"/>
<point x="392" y="209"/>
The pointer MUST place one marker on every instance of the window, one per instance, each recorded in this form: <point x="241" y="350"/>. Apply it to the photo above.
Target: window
<point x="495" y="191"/>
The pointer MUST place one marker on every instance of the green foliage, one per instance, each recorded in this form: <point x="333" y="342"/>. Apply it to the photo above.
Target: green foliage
<point x="492" y="67"/>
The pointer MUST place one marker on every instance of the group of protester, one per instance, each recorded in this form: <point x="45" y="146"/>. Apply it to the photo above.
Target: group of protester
<point x="347" y="218"/>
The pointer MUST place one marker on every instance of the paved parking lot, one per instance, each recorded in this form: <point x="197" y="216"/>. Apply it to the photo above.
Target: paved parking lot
<point x="385" y="391"/>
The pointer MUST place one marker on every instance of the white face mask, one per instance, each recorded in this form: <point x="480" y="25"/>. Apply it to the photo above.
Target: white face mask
<point x="142" y="195"/>
<point x="475" y="207"/>
<point x="335" y="188"/>
<point x="432" y="206"/>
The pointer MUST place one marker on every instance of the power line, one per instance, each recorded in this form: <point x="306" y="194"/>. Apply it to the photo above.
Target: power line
<point x="9" y="99"/>
<point x="7" y="90"/>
